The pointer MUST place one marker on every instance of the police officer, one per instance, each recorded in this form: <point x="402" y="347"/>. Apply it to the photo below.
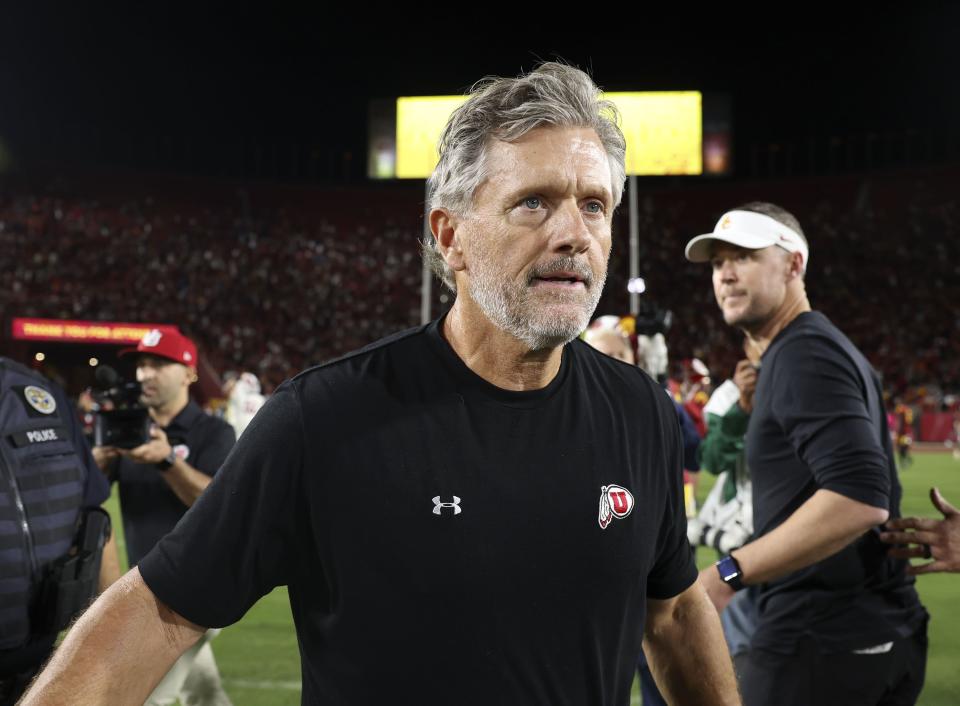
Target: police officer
<point x="48" y="483"/>
<point x="162" y="478"/>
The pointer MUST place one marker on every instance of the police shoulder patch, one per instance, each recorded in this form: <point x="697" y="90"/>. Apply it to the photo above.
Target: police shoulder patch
<point x="40" y="399"/>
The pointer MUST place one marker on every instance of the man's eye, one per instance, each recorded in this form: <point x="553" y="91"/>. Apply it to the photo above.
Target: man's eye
<point x="594" y="207"/>
<point x="532" y="202"/>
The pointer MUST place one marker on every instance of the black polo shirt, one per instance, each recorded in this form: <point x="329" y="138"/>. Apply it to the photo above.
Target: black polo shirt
<point x="446" y="541"/>
<point x="818" y="422"/>
<point x="150" y="508"/>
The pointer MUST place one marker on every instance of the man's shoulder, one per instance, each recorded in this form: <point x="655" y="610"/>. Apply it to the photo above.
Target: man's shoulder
<point x="367" y="363"/>
<point x="12" y="366"/>
<point x="211" y="424"/>
<point x="620" y="379"/>
<point x="812" y="333"/>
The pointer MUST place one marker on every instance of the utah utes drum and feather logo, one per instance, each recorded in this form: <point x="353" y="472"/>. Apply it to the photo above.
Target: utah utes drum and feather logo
<point x="615" y="502"/>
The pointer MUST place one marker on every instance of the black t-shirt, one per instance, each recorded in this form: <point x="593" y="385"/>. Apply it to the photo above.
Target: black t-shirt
<point x="441" y="537"/>
<point x="150" y="508"/>
<point x="818" y="421"/>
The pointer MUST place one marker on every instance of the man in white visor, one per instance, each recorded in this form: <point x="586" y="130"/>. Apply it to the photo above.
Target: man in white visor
<point x="839" y="620"/>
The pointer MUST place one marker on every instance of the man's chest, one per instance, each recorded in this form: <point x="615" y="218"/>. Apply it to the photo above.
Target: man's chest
<point x="506" y="499"/>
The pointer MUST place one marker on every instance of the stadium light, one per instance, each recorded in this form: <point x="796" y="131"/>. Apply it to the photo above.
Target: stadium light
<point x="636" y="285"/>
<point x="39" y="357"/>
<point x="94" y="362"/>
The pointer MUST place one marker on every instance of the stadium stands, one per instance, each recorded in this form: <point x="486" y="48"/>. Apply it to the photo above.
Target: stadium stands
<point x="273" y="278"/>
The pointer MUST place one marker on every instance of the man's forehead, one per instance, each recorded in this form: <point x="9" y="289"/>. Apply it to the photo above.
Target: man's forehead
<point x="550" y="153"/>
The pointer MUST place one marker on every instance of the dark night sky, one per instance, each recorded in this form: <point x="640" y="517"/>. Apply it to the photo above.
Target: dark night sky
<point x="71" y="76"/>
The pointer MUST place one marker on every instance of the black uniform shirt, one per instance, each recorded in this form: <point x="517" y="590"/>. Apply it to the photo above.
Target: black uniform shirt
<point x="818" y="421"/>
<point x="150" y="508"/>
<point x="442" y="537"/>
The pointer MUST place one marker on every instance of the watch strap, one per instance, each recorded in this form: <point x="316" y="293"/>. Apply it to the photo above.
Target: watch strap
<point x="166" y="463"/>
<point x="730" y="572"/>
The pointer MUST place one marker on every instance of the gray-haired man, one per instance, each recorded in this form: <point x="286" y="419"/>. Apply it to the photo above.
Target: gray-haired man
<point x="482" y="510"/>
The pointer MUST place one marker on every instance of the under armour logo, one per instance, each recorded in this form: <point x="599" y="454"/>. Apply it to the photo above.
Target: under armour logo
<point x="438" y="506"/>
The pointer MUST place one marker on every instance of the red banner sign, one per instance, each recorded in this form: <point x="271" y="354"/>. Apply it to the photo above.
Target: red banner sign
<point x="66" y="331"/>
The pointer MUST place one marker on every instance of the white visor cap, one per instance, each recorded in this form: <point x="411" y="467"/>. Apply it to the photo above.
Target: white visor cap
<point x="750" y="230"/>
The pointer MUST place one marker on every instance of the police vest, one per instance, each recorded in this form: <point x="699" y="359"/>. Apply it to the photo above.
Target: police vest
<point x="42" y="480"/>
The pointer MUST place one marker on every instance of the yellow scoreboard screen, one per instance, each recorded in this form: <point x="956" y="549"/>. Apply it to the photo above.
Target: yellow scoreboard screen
<point x="664" y="132"/>
<point x="420" y="121"/>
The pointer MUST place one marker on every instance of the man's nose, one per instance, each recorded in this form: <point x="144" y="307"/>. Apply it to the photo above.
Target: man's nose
<point x="572" y="235"/>
<point x="728" y="271"/>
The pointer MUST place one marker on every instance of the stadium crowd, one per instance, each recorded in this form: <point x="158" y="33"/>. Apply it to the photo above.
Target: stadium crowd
<point x="271" y="279"/>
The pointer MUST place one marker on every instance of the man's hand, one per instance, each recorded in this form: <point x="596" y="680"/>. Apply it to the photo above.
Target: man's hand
<point x="154" y="451"/>
<point x="928" y="538"/>
<point x="720" y="594"/>
<point x="105" y="456"/>
<point x="745" y="377"/>
<point x="186" y="482"/>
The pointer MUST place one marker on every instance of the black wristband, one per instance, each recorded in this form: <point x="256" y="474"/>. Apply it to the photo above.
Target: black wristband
<point x="730" y="573"/>
<point x="166" y="463"/>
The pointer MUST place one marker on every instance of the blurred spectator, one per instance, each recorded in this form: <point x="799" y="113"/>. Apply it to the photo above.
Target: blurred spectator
<point x="243" y="399"/>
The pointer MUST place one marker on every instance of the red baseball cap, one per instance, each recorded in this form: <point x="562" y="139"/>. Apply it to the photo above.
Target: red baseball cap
<point x="169" y="344"/>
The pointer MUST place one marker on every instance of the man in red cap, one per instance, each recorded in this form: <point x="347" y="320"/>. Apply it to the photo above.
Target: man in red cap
<point x="162" y="478"/>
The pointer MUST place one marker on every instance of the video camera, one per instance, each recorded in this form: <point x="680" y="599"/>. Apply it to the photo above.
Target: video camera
<point x="122" y="420"/>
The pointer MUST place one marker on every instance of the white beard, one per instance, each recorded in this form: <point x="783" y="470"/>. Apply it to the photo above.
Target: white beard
<point x="512" y="308"/>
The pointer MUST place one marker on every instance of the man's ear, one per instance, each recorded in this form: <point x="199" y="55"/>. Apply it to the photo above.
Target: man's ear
<point x="796" y="265"/>
<point x="444" y="225"/>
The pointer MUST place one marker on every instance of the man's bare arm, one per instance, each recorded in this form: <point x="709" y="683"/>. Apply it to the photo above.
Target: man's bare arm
<point x="818" y="529"/>
<point x="186" y="481"/>
<point x="117" y="652"/>
<point x="688" y="656"/>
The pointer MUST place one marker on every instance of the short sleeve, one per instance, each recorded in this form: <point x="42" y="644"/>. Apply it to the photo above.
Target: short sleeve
<point x="820" y="403"/>
<point x="239" y="540"/>
<point x="674" y="569"/>
<point x="216" y="448"/>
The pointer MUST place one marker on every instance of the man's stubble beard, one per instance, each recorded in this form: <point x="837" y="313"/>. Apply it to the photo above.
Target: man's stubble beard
<point x="750" y="321"/>
<point x="513" y="309"/>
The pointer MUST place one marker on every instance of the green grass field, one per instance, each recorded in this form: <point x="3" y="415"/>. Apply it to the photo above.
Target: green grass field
<point x="260" y="663"/>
